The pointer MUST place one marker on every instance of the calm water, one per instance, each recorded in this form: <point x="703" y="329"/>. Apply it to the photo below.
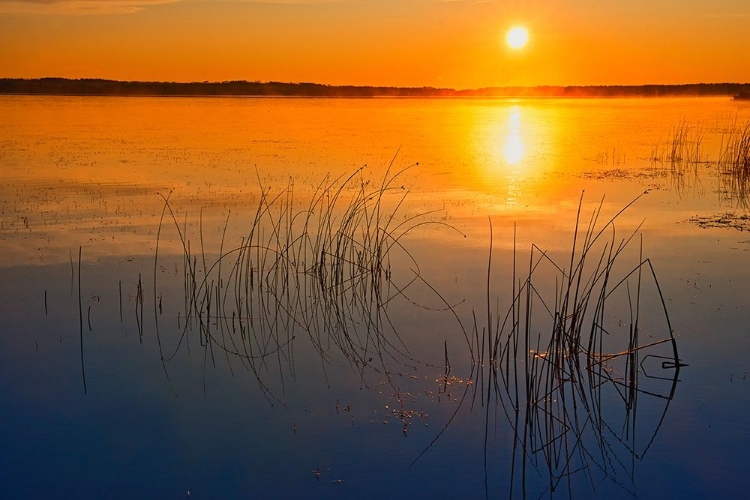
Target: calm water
<point x="367" y="372"/>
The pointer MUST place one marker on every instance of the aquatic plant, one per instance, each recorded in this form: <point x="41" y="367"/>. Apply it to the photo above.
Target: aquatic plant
<point x="559" y="359"/>
<point x="566" y="364"/>
<point x="682" y="148"/>
<point x="323" y="270"/>
<point x="734" y="161"/>
<point x="681" y="154"/>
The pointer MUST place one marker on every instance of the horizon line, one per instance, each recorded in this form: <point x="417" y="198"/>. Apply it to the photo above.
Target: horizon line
<point x="356" y="85"/>
<point x="102" y="86"/>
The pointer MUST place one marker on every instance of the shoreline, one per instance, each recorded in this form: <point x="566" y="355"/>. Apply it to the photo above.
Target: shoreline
<point x="114" y="88"/>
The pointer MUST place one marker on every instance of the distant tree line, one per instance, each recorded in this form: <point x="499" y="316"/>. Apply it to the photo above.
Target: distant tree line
<point x="99" y="87"/>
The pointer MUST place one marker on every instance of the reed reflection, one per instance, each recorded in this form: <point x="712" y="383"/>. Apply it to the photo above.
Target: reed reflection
<point x="565" y="372"/>
<point x="560" y="371"/>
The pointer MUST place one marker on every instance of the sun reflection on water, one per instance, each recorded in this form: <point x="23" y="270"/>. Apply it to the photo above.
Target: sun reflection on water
<point x="514" y="148"/>
<point x="513" y="152"/>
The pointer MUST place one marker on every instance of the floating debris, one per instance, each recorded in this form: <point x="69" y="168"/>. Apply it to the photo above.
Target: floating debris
<point x="725" y="220"/>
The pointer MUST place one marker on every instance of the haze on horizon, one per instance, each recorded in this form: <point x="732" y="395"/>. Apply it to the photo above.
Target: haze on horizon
<point x="411" y="43"/>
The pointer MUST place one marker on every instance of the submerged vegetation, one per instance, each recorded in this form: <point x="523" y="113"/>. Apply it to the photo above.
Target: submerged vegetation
<point x="725" y="220"/>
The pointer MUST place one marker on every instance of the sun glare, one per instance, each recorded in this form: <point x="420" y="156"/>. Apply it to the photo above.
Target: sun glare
<point x="514" y="149"/>
<point x="517" y="37"/>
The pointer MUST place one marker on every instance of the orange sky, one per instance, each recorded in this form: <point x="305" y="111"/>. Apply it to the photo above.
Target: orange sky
<point x="443" y="43"/>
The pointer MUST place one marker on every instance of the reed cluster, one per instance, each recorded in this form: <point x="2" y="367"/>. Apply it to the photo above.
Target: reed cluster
<point x="682" y="148"/>
<point x="734" y="161"/>
<point x="322" y="270"/>
<point x="566" y="364"/>
<point x="683" y="151"/>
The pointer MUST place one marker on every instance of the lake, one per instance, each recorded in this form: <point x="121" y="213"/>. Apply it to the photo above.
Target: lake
<point x="339" y="298"/>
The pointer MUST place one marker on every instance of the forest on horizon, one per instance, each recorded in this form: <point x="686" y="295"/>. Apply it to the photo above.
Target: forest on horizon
<point x="102" y="87"/>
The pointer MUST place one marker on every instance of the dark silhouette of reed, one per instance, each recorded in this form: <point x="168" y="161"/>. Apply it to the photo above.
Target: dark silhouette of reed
<point x="556" y="363"/>
<point x="682" y="153"/>
<point x="80" y="321"/>
<point x="568" y="364"/>
<point x="320" y="271"/>
<point x="734" y="162"/>
<point x="682" y="149"/>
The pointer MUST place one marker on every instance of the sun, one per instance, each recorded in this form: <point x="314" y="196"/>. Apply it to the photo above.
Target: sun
<point x="517" y="37"/>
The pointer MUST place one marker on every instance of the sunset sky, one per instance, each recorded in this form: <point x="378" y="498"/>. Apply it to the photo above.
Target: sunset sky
<point x="441" y="43"/>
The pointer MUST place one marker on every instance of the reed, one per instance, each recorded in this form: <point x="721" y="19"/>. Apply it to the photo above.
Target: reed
<point x="680" y="155"/>
<point x="119" y="288"/>
<point x="552" y="365"/>
<point x="564" y="372"/>
<point x="682" y="148"/>
<point x="139" y="308"/>
<point x="734" y="162"/>
<point x="80" y="321"/>
<point x="321" y="271"/>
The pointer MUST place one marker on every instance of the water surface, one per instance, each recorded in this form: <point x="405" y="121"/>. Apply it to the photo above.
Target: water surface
<point x="314" y="412"/>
